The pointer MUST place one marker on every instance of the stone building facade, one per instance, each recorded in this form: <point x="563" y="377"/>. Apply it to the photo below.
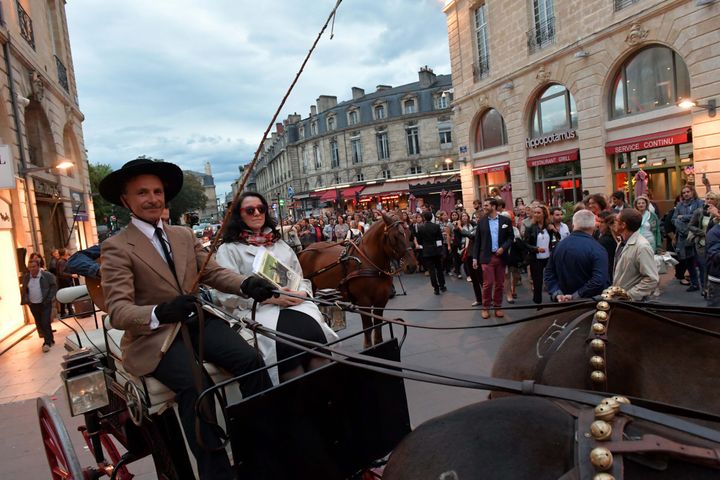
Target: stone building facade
<point x="387" y="139"/>
<point x="41" y="207"/>
<point x="210" y="212"/>
<point x="557" y="97"/>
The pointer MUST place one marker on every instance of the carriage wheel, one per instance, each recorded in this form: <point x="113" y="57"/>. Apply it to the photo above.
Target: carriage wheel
<point x="113" y="455"/>
<point x="63" y="461"/>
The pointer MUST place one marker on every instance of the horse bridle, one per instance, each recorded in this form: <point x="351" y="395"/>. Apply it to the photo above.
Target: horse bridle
<point x="392" y="272"/>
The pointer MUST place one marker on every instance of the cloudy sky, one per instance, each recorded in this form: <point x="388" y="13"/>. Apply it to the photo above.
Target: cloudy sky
<point x="193" y="81"/>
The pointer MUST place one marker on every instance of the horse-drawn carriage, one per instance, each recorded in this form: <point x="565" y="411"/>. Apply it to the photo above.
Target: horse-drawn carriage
<point x="342" y="420"/>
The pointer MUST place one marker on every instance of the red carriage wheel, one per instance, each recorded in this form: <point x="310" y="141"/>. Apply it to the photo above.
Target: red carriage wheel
<point x="62" y="459"/>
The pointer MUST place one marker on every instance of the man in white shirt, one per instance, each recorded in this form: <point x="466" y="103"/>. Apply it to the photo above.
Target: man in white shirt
<point x="38" y="292"/>
<point x="556" y="215"/>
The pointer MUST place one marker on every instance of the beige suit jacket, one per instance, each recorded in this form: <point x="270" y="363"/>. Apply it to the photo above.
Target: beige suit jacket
<point x="636" y="270"/>
<point x="135" y="278"/>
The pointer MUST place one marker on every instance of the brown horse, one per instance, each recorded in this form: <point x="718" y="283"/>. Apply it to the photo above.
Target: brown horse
<point x="362" y="271"/>
<point x="652" y="351"/>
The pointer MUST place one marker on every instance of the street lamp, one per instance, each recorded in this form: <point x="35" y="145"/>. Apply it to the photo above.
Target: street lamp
<point x="710" y="106"/>
<point x="63" y="165"/>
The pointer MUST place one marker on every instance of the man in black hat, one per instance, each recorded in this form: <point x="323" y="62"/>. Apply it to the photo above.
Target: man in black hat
<point x="148" y="271"/>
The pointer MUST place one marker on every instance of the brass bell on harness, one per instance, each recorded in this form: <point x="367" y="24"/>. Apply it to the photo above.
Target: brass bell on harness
<point x="610" y="402"/>
<point x="598" y="328"/>
<point x="603" y="476"/>
<point x="604" y="412"/>
<point x="601" y="458"/>
<point x="601" y="316"/>
<point x="603" y="305"/>
<point x="621" y="399"/>
<point x="598" y="345"/>
<point x="600" y="430"/>
<point x="597" y="376"/>
<point x="597" y="362"/>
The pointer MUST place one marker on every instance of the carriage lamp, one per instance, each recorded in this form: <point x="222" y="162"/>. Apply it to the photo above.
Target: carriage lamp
<point x="85" y="383"/>
<point x="334" y="315"/>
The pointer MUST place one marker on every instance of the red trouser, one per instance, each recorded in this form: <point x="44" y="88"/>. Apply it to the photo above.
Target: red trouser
<point x="493" y="282"/>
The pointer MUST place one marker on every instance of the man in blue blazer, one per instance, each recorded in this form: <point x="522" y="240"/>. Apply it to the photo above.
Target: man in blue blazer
<point x="493" y="238"/>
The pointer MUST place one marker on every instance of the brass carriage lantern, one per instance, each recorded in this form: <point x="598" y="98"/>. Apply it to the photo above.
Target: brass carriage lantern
<point x="334" y="315"/>
<point x="85" y="382"/>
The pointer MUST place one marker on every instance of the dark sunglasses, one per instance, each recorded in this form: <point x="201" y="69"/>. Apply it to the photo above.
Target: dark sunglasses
<point x="251" y="210"/>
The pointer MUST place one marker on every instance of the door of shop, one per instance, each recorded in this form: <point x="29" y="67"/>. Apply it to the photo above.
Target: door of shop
<point x="52" y="223"/>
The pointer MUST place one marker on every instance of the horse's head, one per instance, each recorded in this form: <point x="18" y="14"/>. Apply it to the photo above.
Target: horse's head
<point x="397" y="242"/>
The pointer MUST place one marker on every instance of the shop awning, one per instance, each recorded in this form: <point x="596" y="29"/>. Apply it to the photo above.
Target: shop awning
<point x="436" y="185"/>
<point x="328" y="196"/>
<point x="350" y="192"/>
<point x="495" y="167"/>
<point x="645" y="142"/>
<point x="552" y="158"/>
<point x="385" y="189"/>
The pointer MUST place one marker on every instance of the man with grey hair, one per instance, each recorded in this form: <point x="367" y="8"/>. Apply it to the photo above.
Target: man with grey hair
<point x="578" y="266"/>
<point x="635" y="267"/>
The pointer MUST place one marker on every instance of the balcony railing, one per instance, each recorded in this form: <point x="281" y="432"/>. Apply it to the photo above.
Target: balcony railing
<point x="62" y="74"/>
<point x="26" y="26"/>
<point x="620" y="4"/>
<point x="542" y="35"/>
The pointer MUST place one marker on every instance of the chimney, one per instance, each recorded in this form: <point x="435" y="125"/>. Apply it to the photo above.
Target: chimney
<point x="208" y="168"/>
<point x="326" y="102"/>
<point x="357" y="92"/>
<point x="313" y="110"/>
<point x="426" y="76"/>
<point x="380" y="88"/>
<point x="294" y="118"/>
<point x="279" y="128"/>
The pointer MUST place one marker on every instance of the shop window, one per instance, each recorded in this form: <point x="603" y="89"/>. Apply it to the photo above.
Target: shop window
<point x="482" y="65"/>
<point x="655" y="77"/>
<point x="558" y="183"/>
<point x="490" y="131"/>
<point x="668" y="169"/>
<point x="554" y="111"/>
<point x="491" y="181"/>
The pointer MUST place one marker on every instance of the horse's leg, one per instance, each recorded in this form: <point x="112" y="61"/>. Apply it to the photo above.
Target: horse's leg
<point x="366" y="324"/>
<point x="377" y="331"/>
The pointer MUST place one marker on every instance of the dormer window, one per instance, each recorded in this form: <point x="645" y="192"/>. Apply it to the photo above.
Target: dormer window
<point x="409" y="106"/>
<point x="379" y="111"/>
<point x="313" y="128"/>
<point x="353" y="117"/>
<point x="331" y="123"/>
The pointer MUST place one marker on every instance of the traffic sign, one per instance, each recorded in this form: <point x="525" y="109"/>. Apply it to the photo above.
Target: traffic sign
<point x="291" y="192"/>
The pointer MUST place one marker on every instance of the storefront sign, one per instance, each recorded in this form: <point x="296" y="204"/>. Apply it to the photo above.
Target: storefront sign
<point x="7" y="167"/>
<point x="498" y="167"/>
<point x="646" y="142"/>
<point x="548" y="139"/>
<point x="45" y="189"/>
<point x="552" y="158"/>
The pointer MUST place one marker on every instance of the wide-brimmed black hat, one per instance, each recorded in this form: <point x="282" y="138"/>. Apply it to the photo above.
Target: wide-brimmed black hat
<point x="113" y="185"/>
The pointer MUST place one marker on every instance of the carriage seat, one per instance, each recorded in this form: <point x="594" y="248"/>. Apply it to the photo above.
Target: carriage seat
<point x="72" y="294"/>
<point x="156" y="393"/>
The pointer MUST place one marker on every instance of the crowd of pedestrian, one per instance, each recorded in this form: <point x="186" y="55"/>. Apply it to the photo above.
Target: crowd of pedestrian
<point x="605" y="240"/>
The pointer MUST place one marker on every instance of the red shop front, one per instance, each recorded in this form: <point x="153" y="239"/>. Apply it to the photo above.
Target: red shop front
<point x="557" y="177"/>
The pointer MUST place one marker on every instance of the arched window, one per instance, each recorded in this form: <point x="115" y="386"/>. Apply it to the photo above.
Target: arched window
<point x="554" y="111"/>
<point x="655" y="77"/>
<point x="490" y="131"/>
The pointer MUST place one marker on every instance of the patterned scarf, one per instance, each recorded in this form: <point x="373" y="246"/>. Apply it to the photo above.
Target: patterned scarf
<point x="258" y="239"/>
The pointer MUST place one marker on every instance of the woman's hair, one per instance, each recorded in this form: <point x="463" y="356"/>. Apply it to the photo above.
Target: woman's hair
<point x="465" y="214"/>
<point x="236" y="225"/>
<point x="457" y="217"/>
<point x="519" y="200"/>
<point x="545" y="212"/>
<point x="644" y="198"/>
<point x="600" y="200"/>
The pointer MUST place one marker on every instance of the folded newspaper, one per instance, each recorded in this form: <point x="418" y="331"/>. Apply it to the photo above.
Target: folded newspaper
<point x="267" y="266"/>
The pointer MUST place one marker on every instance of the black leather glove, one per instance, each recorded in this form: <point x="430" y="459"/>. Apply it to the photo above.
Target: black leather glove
<point x="177" y="310"/>
<point x="257" y="288"/>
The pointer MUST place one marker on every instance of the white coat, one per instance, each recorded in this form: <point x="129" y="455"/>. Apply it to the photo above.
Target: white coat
<point x="239" y="257"/>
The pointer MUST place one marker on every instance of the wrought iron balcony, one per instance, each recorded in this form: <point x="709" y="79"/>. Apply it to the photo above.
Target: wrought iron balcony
<point x="26" y="26"/>
<point x="62" y="74"/>
<point x="542" y="35"/>
<point x="620" y="4"/>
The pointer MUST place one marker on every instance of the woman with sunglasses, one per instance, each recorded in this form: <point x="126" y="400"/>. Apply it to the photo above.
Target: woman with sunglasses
<point x="251" y="227"/>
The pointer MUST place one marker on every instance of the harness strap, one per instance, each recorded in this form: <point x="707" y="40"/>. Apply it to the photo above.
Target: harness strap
<point x="557" y="345"/>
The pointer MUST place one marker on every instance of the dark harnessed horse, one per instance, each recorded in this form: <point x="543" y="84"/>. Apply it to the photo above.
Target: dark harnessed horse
<point x="362" y="269"/>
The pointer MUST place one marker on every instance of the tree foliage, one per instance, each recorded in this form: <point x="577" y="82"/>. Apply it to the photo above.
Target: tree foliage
<point x="104" y="209"/>
<point x="191" y="198"/>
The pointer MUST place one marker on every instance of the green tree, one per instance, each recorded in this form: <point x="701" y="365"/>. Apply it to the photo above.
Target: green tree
<point x="104" y="209"/>
<point x="191" y="198"/>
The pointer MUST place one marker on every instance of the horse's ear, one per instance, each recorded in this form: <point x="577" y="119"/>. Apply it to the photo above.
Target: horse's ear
<point x="386" y="218"/>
